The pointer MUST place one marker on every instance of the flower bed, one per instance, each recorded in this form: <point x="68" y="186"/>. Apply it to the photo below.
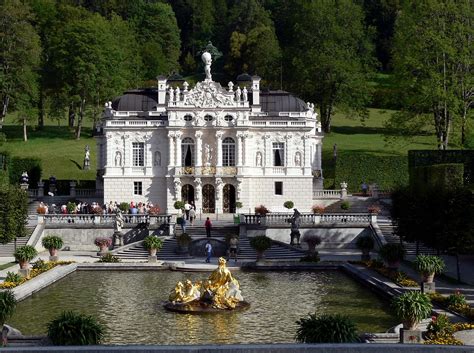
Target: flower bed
<point x="45" y="266"/>
<point x="399" y="277"/>
<point x="455" y="302"/>
<point x="441" y="331"/>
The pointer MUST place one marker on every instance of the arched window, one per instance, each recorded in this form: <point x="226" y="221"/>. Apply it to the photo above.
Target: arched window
<point x="188" y="117"/>
<point x="228" y="152"/>
<point x="187" y="152"/>
<point x="208" y="118"/>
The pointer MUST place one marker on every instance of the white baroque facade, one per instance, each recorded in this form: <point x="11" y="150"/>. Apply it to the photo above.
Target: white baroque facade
<point x="210" y="145"/>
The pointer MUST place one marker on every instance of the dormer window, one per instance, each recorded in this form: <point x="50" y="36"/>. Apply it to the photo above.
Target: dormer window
<point x="188" y="117"/>
<point x="208" y="118"/>
<point x="228" y="118"/>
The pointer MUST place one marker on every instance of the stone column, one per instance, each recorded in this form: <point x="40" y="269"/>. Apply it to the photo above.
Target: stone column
<point x="219" y="147"/>
<point x="239" y="146"/>
<point x="219" y="199"/>
<point x="178" y="148"/>
<point x="72" y="188"/>
<point x="40" y="189"/>
<point x="171" y="151"/>
<point x="198" y="135"/>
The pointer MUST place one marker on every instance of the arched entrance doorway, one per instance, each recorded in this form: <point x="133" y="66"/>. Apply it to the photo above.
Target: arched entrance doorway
<point x="187" y="193"/>
<point x="208" y="199"/>
<point x="229" y="198"/>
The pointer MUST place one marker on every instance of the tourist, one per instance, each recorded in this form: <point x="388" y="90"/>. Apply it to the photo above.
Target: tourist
<point x="208" y="251"/>
<point x="233" y="247"/>
<point x="364" y="188"/>
<point x="192" y="215"/>
<point x="208" y="226"/>
<point x="187" y="208"/>
<point x="183" y="224"/>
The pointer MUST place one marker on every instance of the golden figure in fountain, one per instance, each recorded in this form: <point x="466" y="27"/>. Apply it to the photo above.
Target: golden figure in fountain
<point x="220" y="291"/>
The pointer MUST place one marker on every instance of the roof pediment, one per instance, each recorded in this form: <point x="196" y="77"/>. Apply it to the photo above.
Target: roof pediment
<point x="207" y="94"/>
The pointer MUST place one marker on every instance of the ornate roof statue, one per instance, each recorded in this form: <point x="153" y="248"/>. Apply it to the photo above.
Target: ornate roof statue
<point x="207" y="59"/>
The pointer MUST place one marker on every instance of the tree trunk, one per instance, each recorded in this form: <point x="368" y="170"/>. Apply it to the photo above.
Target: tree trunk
<point x="41" y="111"/>
<point x="325" y="118"/>
<point x="5" y="101"/>
<point x="25" y="134"/>
<point x="79" y="120"/>
<point x="71" y="115"/>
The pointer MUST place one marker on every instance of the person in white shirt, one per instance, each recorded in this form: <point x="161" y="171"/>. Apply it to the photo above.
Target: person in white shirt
<point x="187" y="208"/>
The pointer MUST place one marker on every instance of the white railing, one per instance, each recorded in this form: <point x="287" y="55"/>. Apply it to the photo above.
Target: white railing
<point x="88" y="219"/>
<point x="280" y="219"/>
<point x="278" y="123"/>
<point x="278" y="170"/>
<point x="327" y="194"/>
<point x="134" y="123"/>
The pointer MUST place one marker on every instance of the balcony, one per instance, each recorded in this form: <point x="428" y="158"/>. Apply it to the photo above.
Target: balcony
<point x="206" y="171"/>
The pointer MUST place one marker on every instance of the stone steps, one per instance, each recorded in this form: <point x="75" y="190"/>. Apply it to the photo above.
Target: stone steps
<point x="7" y="250"/>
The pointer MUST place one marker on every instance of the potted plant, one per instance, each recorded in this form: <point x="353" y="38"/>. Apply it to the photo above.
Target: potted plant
<point x="124" y="207"/>
<point x="75" y="329"/>
<point x="318" y="209"/>
<point x="366" y="244"/>
<point x="261" y="210"/>
<point x="238" y="205"/>
<point x="289" y="205"/>
<point x="103" y="244"/>
<point x="312" y="240"/>
<point x="184" y="239"/>
<point x="71" y="207"/>
<point x="392" y="254"/>
<point x="411" y="307"/>
<point x="154" y="211"/>
<point x="260" y="244"/>
<point x="24" y="254"/>
<point x="428" y="266"/>
<point x="179" y="205"/>
<point x="152" y="244"/>
<point x="53" y="243"/>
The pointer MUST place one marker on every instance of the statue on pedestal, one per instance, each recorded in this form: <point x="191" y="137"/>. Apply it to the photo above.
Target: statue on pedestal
<point x="118" y="225"/>
<point x="295" y="221"/>
<point x="87" y="158"/>
<point x="207" y="60"/>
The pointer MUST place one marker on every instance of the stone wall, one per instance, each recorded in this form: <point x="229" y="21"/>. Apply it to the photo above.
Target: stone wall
<point x="121" y="189"/>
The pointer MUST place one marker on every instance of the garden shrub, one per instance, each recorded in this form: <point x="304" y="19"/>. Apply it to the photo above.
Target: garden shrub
<point x="16" y="166"/>
<point x="326" y="329"/>
<point x="437" y="176"/>
<point x="72" y="329"/>
<point x="7" y="305"/>
<point x="109" y="258"/>
<point x="385" y="171"/>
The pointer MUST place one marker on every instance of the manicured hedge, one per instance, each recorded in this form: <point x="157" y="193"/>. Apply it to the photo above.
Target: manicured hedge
<point x="357" y="167"/>
<point x="420" y="158"/>
<point x="438" y="176"/>
<point x="16" y="166"/>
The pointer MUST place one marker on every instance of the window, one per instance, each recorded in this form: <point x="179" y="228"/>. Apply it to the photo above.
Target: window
<point x="138" y="154"/>
<point x="228" y="152"/>
<point x="188" y="117"/>
<point x="187" y="152"/>
<point x="278" y="188"/>
<point x="228" y="118"/>
<point x="137" y="188"/>
<point x="278" y="154"/>
<point x="208" y="117"/>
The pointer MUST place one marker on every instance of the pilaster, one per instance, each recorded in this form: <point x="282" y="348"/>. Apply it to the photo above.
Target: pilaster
<point x="198" y="136"/>
<point x="178" y="148"/>
<point x="219" y="135"/>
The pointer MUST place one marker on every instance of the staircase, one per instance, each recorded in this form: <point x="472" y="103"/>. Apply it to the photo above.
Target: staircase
<point x="219" y="230"/>
<point x="7" y="250"/>
<point x="387" y="229"/>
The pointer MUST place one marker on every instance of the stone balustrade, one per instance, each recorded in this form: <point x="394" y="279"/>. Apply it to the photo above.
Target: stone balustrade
<point x="102" y="219"/>
<point x="279" y="219"/>
<point x="327" y="194"/>
<point x="206" y="171"/>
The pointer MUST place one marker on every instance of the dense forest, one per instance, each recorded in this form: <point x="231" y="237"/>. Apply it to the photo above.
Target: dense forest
<point x="63" y="59"/>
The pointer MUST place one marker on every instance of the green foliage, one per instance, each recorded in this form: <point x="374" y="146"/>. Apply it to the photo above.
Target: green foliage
<point x="7" y="305"/>
<point x="18" y="165"/>
<point x="52" y="242"/>
<point x="289" y="204"/>
<point x="385" y="171"/>
<point x="179" y="205"/>
<point x="41" y="265"/>
<point x="326" y="329"/>
<point x="392" y="252"/>
<point x="412" y="306"/>
<point x="345" y="205"/>
<point x="313" y="257"/>
<point x="184" y="239"/>
<point x="428" y="264"/>
<point x="261" y="243"/>
<point x="25" y="253"/>
<point x="440" y="325"/>
<point x="13" y="277"/>
<point x="72" y="329"/>
<point x="152" y="242"/>
<point x="425" y="158"/>
<point x="124" y="207"/>
<point x="365" y="242"/>
<point x="109" y="258"/>
<point x="71" y="207"/>
<point x="238" y="204"/>
<point x="438" y="176"/>
<point x="13" y="213"/>
<point x="456" y="299"/>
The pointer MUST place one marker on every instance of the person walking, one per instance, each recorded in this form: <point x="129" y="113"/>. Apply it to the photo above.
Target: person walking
<point x="233" y="247"/>
<point x="192" y="215"/>
<point x="183" y="224"/>
<point x="208" y="251"/>
<point x="187" y="208"/>
<point x="208" y="226"/>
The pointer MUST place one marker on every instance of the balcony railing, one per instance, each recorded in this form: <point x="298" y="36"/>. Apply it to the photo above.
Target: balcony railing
<point x="205" y="171"/>
<point x="283" y="219"/>
<point x="102" y="219"/>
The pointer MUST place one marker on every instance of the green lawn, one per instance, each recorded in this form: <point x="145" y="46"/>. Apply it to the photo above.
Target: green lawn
<point x="61" y="154"/>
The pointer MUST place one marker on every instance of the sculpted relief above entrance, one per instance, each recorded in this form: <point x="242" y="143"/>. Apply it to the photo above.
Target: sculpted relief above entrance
<point x="208" y="94"/>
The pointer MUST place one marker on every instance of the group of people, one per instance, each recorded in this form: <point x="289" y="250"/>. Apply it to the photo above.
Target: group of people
<point x="233" y="245"/>
<point x="93" y="208"/>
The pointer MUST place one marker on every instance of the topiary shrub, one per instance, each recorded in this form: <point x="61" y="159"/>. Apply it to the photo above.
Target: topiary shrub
<point x="109" y="258"/>
<point x="238" y="204"/>
<point x="411" y="307"/>
<point x="289" y="204"/>
<point x="326" y="329"/>
<point x="72" y="329"/>
<point x="7" y="305"/>
<point x="345" y="205"/>
<point x="179" y="205"/>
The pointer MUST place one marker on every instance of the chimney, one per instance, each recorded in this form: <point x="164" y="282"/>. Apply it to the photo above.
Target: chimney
<point x="256" y="93"/>
<point x="161" y="90"/>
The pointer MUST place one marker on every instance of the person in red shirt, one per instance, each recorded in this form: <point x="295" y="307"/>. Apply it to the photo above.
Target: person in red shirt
<point x="208" y="226"/>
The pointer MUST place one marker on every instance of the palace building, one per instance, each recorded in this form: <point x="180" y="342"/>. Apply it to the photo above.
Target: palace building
<point x="210" y="145"/>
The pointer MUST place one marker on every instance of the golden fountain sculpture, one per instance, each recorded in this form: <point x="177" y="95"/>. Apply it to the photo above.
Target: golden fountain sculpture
<point x="221" y="291"/>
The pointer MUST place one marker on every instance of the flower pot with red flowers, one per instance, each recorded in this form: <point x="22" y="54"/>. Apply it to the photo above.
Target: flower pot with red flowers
<point x="103" y="244"/>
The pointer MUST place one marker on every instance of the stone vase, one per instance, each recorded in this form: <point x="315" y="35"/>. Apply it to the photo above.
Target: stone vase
<point x="427" y="277"/>
<point x="53" y="254"/>
<point x="23" y="265"/>
<point x="152" y="252"/>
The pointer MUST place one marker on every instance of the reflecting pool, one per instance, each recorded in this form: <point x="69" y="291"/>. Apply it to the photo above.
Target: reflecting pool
<point x="128" y="303"/>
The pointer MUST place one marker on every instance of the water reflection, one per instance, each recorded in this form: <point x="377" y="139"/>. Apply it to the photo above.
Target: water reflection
<point x="129" y="304"/>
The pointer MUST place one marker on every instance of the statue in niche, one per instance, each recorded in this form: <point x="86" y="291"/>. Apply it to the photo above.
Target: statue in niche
<point x="118" y="159"/>
<point x="259" y="159"/>
<point x="245" y="94"/>
<point x="298" y="159"/>
<point x="157" y="161"/>
<point x="207" y="60"/>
